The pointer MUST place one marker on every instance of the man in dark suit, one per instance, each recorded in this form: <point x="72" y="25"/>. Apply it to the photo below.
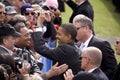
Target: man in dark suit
<point x="117" y="70"/>
<point x="91" y="58"/>
<point x="84" y="27"/>
<point x="82" y="7"/>
<point x="66" y="52"/>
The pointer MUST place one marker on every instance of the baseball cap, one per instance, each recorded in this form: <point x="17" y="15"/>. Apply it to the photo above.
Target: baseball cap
<point x="10" y="10"/>
<point x="7" y="29"/>
<point x="52" y="3"/>
<point x="44" y="6"/>
<point x="27" y="7"/>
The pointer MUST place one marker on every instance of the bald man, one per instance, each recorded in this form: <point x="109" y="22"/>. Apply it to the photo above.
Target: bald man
<point x="91" y="58"/>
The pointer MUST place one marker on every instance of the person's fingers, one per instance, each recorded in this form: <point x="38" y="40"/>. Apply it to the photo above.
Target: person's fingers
<point x="62" y="68"/>
<point x="56" y="64"/>
<point x="70" y="72"/>
<point x="65" y="76"/>
<point x="68" y="75"/>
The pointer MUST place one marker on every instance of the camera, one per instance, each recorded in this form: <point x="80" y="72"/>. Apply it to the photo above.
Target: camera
<point x="18" y="62"/>
<point x="25" y="58"/>
<point x="21" y="58"/>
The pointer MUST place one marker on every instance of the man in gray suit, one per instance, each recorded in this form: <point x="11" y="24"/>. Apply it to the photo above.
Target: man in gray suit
<point x="7" y="38"/>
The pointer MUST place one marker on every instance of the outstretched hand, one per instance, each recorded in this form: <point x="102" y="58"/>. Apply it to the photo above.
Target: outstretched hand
<point x="56" y="70"/>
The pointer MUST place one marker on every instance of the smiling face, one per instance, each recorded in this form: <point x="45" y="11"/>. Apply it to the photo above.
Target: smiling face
<point x="25" y="38"/>
<point x="62" y="37"/>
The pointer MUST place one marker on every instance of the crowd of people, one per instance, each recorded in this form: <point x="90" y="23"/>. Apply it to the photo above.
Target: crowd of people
<point x="36" y="45"/>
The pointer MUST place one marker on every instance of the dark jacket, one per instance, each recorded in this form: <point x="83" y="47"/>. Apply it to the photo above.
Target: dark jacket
<point x="109" y="62"/>
<point x="85" y="9"/>
<point x="63" y="54"/>
<point x="116" y="75"/>
<point x="100" y="74"/>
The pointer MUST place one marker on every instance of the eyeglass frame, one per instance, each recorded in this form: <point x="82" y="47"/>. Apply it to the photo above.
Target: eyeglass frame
<point x="79" y="28"/>
<point x="117" y="42"/>
<point x="28" y="13"/>
<point x="2" y="13"/>
<point x="83" y="57"/>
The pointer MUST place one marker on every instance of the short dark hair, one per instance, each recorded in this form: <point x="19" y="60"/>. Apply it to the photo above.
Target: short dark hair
<point x="15" y="20"/>
<point x="69" y="28"/>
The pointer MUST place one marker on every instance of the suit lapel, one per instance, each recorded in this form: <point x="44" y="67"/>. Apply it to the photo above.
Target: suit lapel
<point x="91" y="43"/>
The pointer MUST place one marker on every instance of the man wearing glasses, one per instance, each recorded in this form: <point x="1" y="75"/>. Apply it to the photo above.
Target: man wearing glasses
<point x="85" y="35"/>
<point x="28" y="11"/>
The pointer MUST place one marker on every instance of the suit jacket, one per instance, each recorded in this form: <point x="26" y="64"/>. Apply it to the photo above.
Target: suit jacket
<point x="100" y="74"/>
<point x="3" y="50"/>
<point x="108" y="59"/>
<point x="64" y="53"/>
<point x="116" y="75"/>
<point x="85" y="9"/>
<point x="97" y="73"/>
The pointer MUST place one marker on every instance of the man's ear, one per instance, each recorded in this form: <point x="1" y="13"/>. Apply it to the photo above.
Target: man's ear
<point x="4" y="41"/>
<point x="69" y="37"/>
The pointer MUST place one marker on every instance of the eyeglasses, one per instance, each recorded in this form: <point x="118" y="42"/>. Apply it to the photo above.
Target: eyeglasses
<point x="27" y="13"/>
<point x="52" y="8"/>
<point x="117" y="42"/>
<point x="78" y="28"/>
<point x="21" y="0"/>
<point x="82" y="58"/>
<point x="2" y="13"/>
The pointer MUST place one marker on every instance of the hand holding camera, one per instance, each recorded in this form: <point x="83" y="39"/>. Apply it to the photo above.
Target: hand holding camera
<point x="24" y="70"/>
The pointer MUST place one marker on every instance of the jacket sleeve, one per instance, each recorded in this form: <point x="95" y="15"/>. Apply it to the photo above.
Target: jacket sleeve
<point x="71" y="4"/>
<point x="44" y="51"/>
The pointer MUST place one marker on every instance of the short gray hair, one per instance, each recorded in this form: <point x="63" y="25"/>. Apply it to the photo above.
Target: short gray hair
<point x="84" y="21"/>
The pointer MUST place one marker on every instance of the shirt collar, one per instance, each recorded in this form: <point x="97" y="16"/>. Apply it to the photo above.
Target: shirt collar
<point x="87" y="42"/>
<point x="91" y="70"/>
<point x="81" y="3"/>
